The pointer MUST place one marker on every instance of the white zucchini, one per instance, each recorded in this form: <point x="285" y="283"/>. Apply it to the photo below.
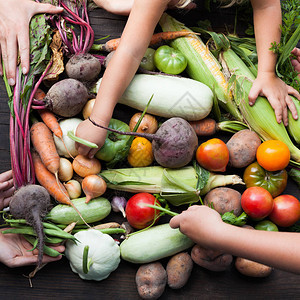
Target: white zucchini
<point x="172" y="96"/>
<point x="153" y="244"/>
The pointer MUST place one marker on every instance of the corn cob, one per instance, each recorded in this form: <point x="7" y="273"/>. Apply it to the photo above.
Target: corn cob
<point x="259" y="117"/>
<point x="202" y="64"/>
<point x="177" y="186"/>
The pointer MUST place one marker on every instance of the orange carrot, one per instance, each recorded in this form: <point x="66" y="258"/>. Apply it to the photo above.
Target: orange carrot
<point x="39" y="94"/>
<point x="157" y="38"/>
<point x="49" y="181"/>
<point x="50" y="120"/>
<point x="43" y="143"/>
<point x="204" y="127"/>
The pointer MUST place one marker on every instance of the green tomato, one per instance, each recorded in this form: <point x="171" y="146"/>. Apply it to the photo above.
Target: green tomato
<point x="266" y="225"/>
<point x="114" y="143"/>
<point x="147" y="61"/>
<point x="169" y="60"/>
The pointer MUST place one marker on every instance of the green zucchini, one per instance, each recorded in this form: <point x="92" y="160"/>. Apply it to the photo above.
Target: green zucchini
<point x="96" y="210"/>
<point x="153" y="244"/>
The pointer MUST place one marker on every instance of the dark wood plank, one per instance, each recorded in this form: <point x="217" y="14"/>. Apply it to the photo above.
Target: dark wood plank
<point x="56" y="280"/>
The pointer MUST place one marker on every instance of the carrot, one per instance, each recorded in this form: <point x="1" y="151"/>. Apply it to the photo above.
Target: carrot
<point x="204" y="127"/>
<point x="39" y="94"/>
<point x="43" y="143"/>
<point x="157" y="38"/>
<point x="50" y="120"/>
<point x="51" y="183"/>
<point x="48" y="180"/>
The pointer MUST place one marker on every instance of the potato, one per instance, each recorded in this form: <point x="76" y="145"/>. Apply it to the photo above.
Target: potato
<point x="151" y="280"/>
<point x="242" y="148"/>
<point x="179" y="269"/>
<point x="213" y="260"/>
<point x="251" y="268"/>
<point x="224" y="199"/>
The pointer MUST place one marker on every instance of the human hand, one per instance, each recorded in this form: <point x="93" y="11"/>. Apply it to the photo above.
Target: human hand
<point x="201" y="224"/>
<point x="296" y="61"/>
<point x="86" y="130"/>
<point x="14" y="251"/>
<point x="6" y="188"/>
<point x="278" y="94"/>
<point x="15" y="16"/>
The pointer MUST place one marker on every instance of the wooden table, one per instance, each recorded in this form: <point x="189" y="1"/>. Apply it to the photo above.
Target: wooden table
<point x="57" y="281"/>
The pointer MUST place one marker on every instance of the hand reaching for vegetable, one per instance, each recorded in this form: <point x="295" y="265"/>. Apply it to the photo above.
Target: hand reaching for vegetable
<point x="91" y="133"/>
<point x="14" y="251"/>
<point x="277" y="92"/>
<point x="15" y="16"/>
<point x="201" y="224"/>
<point x="296" y="61"/>
<point x="6" y="188"/>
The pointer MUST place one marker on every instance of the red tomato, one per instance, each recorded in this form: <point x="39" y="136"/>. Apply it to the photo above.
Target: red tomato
<point x="286" y="211"/>
<point x="257" y="202"/>
<point x="138" y="215"/>
<point x="213" y="155"/>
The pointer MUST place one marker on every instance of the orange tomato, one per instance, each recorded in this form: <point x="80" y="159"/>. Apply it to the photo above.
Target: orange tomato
<point x="140" y="153"/>
<point x="273" y="155"/>
<point x="213" y="155"/>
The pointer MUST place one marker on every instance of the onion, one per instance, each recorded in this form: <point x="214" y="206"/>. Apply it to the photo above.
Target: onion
<point x="93" y="186"/>
<point x="65" y="171"/>
<point x="147" y="125"/>
<point x="73" y="188"/>
<point x="85" y="166"/>
<point x="118" y="204"/>
<point x="87" y="109"/>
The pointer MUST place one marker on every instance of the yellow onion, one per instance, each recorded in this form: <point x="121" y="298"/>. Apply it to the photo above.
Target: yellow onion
<point x="87" y="109"/>
<point x="147" y="125"/>
<point x="84" y="166"/>
<point x="93" y="186"/>
<point x="73" y="188"/>
<point x="65" y="171"/>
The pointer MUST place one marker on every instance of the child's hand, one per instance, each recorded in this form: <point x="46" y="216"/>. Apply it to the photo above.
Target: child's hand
<point x="91" y="133"/>
<point x="277" y="92"/>
<point x="6" y="188"/>
<point x="201" y="224"/>
<point x="296" y="61"/>
<point x="14" y="251"/>
<point x="15" y="16"/>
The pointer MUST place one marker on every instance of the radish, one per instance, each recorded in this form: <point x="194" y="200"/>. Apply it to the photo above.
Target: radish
<point x="173" y="144"/>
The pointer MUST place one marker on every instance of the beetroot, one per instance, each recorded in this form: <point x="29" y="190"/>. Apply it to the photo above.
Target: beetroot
<point x="67" y="97"/>
<point x="32" y="203"/>
<point x="173" y="144"/>
<point x="84" y="67"/>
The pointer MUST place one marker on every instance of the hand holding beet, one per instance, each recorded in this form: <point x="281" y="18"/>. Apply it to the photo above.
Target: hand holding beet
<point x="6" y="188"/>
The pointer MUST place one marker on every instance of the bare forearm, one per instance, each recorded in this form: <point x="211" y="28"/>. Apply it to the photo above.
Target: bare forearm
<point x="276" y="249"/>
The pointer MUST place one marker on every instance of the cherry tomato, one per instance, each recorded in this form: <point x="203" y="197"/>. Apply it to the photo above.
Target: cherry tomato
<point x="213" y="155"/>
<point x="286" y="211"/>
<point x="266" y="225"/>
<point x="257" y="202"/>
<point x="138" y="215"/>
<point x="273" y="155"/>
<point x="169" y="60"/>
<point x="274" y="182"/>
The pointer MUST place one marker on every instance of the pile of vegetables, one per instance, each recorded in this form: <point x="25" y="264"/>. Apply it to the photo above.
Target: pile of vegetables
<point x="164" y="159"/>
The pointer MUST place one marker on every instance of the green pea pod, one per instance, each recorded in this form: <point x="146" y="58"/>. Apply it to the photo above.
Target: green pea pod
<point x="53" y="240"/>
<point x="114" y="143"/>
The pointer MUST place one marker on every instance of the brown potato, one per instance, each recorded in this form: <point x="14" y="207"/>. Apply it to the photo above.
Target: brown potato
<point x="212" y="260"/>
<point x="224" y="200"/>
<point x="151" y="280"/>
<point x="179" y="269"/>
<point x="251" y="268"/>
<point x="242" y="148"/>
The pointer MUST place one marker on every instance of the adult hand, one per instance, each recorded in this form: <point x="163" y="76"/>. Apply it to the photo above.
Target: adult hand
<point x="6" y="188"/>
<point x="15" y="16"/>
<point x="14" y="251"/>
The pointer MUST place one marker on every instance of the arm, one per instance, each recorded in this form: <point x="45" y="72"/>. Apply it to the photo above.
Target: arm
<point x="15" y="16"/>
<point x="135" y="39"/>
<point x="296" y="61"/>
<point x="205" y="227"/>
<point x="14" y="251"/>
<point x="267" y="21"/>
<point x="6" y="188"/>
